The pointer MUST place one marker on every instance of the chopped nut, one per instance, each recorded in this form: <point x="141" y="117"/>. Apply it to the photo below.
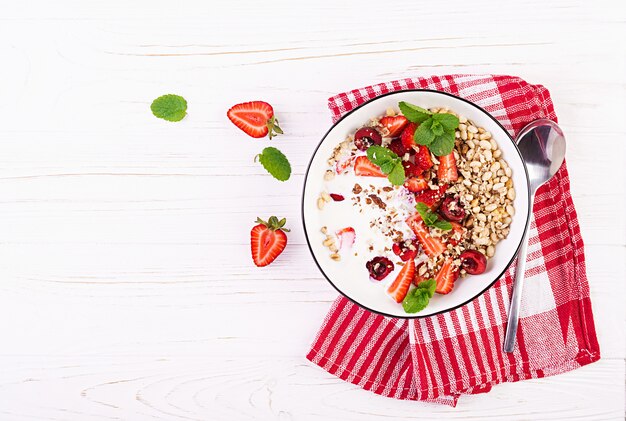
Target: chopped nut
<point x="320" y="203"/>
<point x="326" y="196"/>
<point x="324" y="230"/>
<point x="511" y="193"/>
<point x="329" y="175"/>
<point x="335" y="257"/>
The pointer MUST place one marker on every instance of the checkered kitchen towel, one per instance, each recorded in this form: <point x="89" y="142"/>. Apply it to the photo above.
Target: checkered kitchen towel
<point x="438" y="358"/>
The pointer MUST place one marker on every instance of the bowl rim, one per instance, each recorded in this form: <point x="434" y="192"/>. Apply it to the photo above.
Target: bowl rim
<point x="306" y="176"/>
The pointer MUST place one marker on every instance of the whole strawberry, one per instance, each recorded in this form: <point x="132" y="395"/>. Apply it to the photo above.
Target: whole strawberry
<point x="255" y="118"/>
<point x="268" y="240"/>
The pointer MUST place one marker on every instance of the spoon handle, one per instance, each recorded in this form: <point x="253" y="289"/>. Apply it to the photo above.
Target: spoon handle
<point x="516" y="300"/>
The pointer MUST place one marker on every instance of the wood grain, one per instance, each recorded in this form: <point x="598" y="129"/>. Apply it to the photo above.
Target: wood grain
<point x="126" y="290"/>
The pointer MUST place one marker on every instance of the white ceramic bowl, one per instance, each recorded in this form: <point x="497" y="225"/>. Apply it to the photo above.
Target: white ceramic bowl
<point x="349" y="276"/>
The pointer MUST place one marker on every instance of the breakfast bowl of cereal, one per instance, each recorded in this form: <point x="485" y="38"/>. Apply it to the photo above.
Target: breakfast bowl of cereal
<point x="415" y="203"/>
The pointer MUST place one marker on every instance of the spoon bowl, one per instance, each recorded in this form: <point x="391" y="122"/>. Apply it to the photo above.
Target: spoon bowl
<point x="542" y="146"/>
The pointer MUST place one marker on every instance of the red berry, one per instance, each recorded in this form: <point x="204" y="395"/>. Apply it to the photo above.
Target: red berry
<point x="397" y="147"/>
<point x="337" y="197"/>
<point x="379" y="267"/>
<point x="366" y="137"/>
<point x="422" y="158"/>
<point x="410" y="169"/>
<point x="474" y="262"/>
<point x="406" y="250"/>
<point x="452" y="209"/>
<point x="407" y="135"/>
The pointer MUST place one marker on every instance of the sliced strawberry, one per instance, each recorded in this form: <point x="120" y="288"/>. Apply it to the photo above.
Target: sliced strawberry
<point x="447" y="171"/>
<point x="446" y="277"/>
<point x="407" y="135"/>
<point x="432" y="246"/>
<point x="267" y="240"/>
<point x="410" y="169"/>
<point x="401" y="284"/>
<point x="422" y="158"/>
<point x="395" y="125"/>
<point x="432" y="198"/>
<point x="343" y="164"/>
<point x="397" y="147"/>
<point x="456" y="228"/>
<point x="255" y="118"/>
<point x="346" y="237"/>
<point x="416" y="184"/>
<point x="365" y="167"/>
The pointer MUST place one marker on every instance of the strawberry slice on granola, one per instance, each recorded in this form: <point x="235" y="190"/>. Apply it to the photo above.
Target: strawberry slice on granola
<point x="447" y="171"/>
<point x="365" y="167"/>
<point x="446" y="277"/>
<point x="432" y="246"/>
<point x="400" y="286"/>
<point x="395" y="124"/>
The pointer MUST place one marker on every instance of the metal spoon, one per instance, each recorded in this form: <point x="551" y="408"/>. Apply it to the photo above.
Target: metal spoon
<point x="542" y="146"/>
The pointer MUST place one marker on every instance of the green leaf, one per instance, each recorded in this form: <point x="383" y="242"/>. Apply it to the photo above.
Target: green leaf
<point x="443" y="144"/>
<point x="442" y="225"/>
<point x="387" y="166"/>
<point x="414" y="113"/>
<point x="169" y="107"/>
<point x="436" y="128"/>
<point x="275" y="163"/>
<point x="417" y="299"/>
<point x="396" y="175"/>
<point x="423" y="135"/>
<point x="379" y="155"/>
<point x="422" y="209"/>
<point x="448" y="121"/>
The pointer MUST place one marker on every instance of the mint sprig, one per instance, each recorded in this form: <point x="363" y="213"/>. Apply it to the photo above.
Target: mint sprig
<point x="430" y="218"/>
<point x="436" y="131"/>
<point x="275" y="163"/>
<point x="389" y="163"/>
<point x="417" y="299"/>
<point x="169" y="107"/>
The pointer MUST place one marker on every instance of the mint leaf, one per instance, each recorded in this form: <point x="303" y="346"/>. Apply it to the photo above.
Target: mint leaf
<point x="442" y="144"/>
<point x="389" y="163"/>
<point x="423" y="135"/>
<point x="448" y="121"/>
<point x="436" y="128"/>
<point x="417" y="299"/>
<point x="396" y="175"/>
<point x="414" y="113"/>
<point x="379" y="155"/>
<point x="442" y="225"/>
<point x="430" y="218"/>
<point x="169" y="107"/>
<point x="275" y="163"/>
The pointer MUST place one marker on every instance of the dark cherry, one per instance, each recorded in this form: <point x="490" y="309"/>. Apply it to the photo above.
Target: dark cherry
<point x="379" y="267"/>
<point x="452" y="209"/>
<point x="406" y="250"/>
<point x="337" y="197"/>
<point x="474" y="262"/>
<point x="366" y="137"/>
<point x="397" y="147"/>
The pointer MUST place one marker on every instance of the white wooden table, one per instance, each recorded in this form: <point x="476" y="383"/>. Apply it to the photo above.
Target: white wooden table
<point x="126" y="286"/>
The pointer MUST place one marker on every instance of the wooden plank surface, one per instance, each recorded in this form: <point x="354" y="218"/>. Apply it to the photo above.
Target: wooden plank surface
<point x="126" y="290"/>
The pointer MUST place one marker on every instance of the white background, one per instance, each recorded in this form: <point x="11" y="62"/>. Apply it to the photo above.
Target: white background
<point x="126" y="286"/>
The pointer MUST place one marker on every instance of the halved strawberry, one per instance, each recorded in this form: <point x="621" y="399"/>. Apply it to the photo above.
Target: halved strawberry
<point x="407" y="135"/>
<point x="456" y="228"/>
<point x="255" y="118"/>
<point x="365" y="167"/>
<point x="432" y="246"/>
<point x="432" y="198"/>
<point x="401" y="284"/>
<point x="422" y="158"/>
<point x="395" y="125"/>
<point x="446" y="277"/>
<point x="267" y="240"/>
<point x="447" y="171"/>
<point x="416" y="184"/>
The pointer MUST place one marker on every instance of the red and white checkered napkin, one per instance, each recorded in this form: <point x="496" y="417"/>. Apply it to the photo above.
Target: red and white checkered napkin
<point x="438" y="358"/>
